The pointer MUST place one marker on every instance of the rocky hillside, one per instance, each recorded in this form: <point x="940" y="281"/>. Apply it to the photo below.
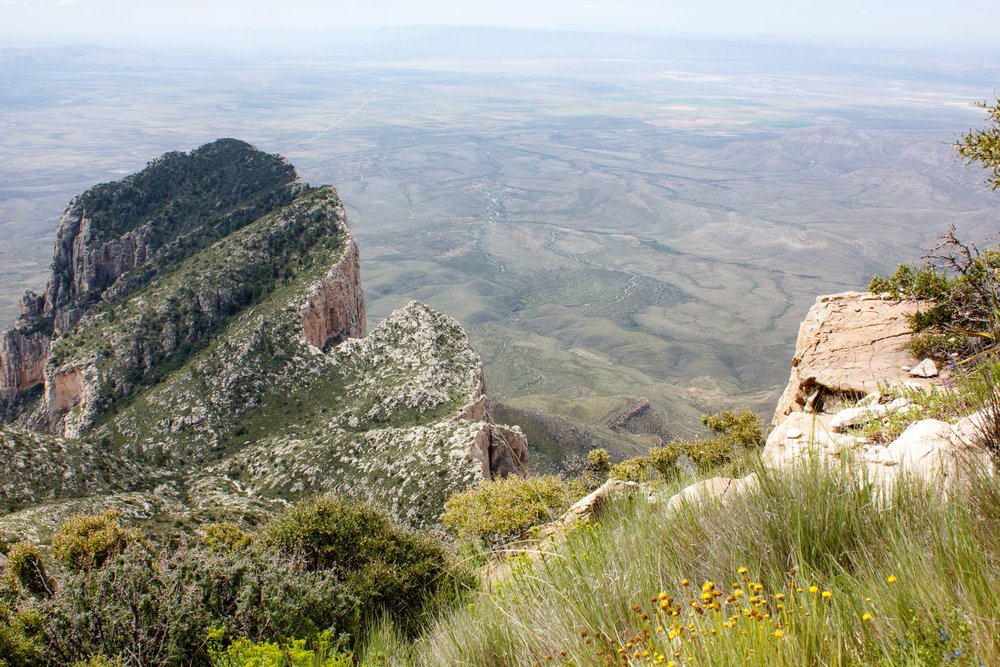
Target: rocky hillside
<point x="200" y="354"/>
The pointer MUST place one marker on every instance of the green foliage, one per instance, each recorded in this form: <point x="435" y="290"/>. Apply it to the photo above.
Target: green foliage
<point x="598" y="465"/>
<point x="19" y="631"/>
<point x="386" y="567"/>
<point x="89" y="541"/>
<point x="738" y="435"/>
<point x="961" y="317"/>
<point x="101" y="660"/>
<point x="635" y="469"/>
<point x="742" y="429"/>
<point x="25" y="566"/>
<point x="292" y="653"/>
<point x="499" y="510"/>
<point x="983" y="145"/>
<point x="221" y="184"/>
<point x="161" y="610"/>
<point x="225" y="537"/>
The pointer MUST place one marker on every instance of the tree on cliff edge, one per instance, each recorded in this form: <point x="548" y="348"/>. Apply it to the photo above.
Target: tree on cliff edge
<point x="984" y="145"/>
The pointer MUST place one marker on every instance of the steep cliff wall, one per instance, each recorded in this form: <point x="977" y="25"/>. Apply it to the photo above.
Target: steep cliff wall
<point x="334" y="310"/>
<point x="81" y="272"/>
<point x="22" y="359"/>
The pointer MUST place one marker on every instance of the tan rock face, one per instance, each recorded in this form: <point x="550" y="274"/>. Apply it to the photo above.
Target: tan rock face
<point x="478" y="407"/>
<point x="335" y="307"/>
<point x="501" y="450"/>
<point x="22" y="360"/>
<point x="63" y="390"/>
<point x="78" y="269"/>
<point x="849" y="343"/>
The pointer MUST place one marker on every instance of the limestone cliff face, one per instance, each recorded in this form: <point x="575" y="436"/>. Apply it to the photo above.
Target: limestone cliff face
<point x="81" y="271"/>
<point x="22" y="359"/>
<point x="335" y="307"/>
<point x="500" y="450"/>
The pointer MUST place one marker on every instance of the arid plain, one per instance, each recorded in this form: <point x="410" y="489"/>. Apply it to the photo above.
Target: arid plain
<point x="609" y="219"/>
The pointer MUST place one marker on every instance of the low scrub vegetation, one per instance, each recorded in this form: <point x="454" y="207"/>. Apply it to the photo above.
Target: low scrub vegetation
<point x="738" y="436"/>
<point x="301" y="592"/>
<point x="818" y="566"/>
<point x="498" y="511"/>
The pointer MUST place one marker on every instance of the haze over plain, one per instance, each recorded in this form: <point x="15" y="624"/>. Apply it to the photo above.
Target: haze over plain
<point x="611" y="216"/>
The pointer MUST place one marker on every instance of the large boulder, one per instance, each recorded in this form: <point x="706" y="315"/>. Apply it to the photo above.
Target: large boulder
<point x="849" y="345"/>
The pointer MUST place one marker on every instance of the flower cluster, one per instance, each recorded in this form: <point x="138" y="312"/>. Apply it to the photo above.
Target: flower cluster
<point x="744" y="615"/>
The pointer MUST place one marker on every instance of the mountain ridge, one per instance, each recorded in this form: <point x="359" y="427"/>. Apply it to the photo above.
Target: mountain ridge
<point x="226" y="377"/>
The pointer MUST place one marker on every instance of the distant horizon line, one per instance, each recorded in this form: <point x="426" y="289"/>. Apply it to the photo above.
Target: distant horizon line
<point x="231" y="41"/>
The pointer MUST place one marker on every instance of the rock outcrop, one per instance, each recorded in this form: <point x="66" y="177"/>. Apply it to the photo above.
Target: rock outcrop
<point x="335" y="307"/>
<point x="849" y="345"/>
<point x="22" y="359"/>
<point x="856" y="345"/>
<point x="500" y="450"/>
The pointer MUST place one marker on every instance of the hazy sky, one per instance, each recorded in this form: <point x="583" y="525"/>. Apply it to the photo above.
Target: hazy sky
<point x="870" y="22"/>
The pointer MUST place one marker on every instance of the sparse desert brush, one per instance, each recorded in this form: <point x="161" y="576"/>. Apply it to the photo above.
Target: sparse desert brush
<point x="26" y="568"/>
<point x="225" y="537"/>
<point x="738" y="436"/>
<point x="498" y="511"/>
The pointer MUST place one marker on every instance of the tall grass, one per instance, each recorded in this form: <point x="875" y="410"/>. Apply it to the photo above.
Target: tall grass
<point x="907" y="577"/>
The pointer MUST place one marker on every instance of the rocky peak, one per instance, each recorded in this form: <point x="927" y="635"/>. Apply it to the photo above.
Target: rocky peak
<point x="228" y="360"/>
<point x="116" y="237"/>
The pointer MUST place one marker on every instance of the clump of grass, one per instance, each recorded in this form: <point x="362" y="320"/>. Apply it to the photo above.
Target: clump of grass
<point x="924" y="572"/>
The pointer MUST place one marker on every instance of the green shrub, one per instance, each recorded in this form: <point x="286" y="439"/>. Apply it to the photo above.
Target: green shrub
<point x="960" y="288"/>
<point x="386" y="567"/>
<point x="292" y="653"/>
<point x="737" y="435"/>
<point x="664" y="459"/>
<point x="101" y="660"/>
<point x="635" y="469"/>
<point x="161" y="610"/>
<point x="19" y="632"/>
<point x="86" y="541"/>
<point x="597" y="467"/>
<point x="25" y="566"/>
<point x="225" y="537"/>
<point x="500" y="510"/>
